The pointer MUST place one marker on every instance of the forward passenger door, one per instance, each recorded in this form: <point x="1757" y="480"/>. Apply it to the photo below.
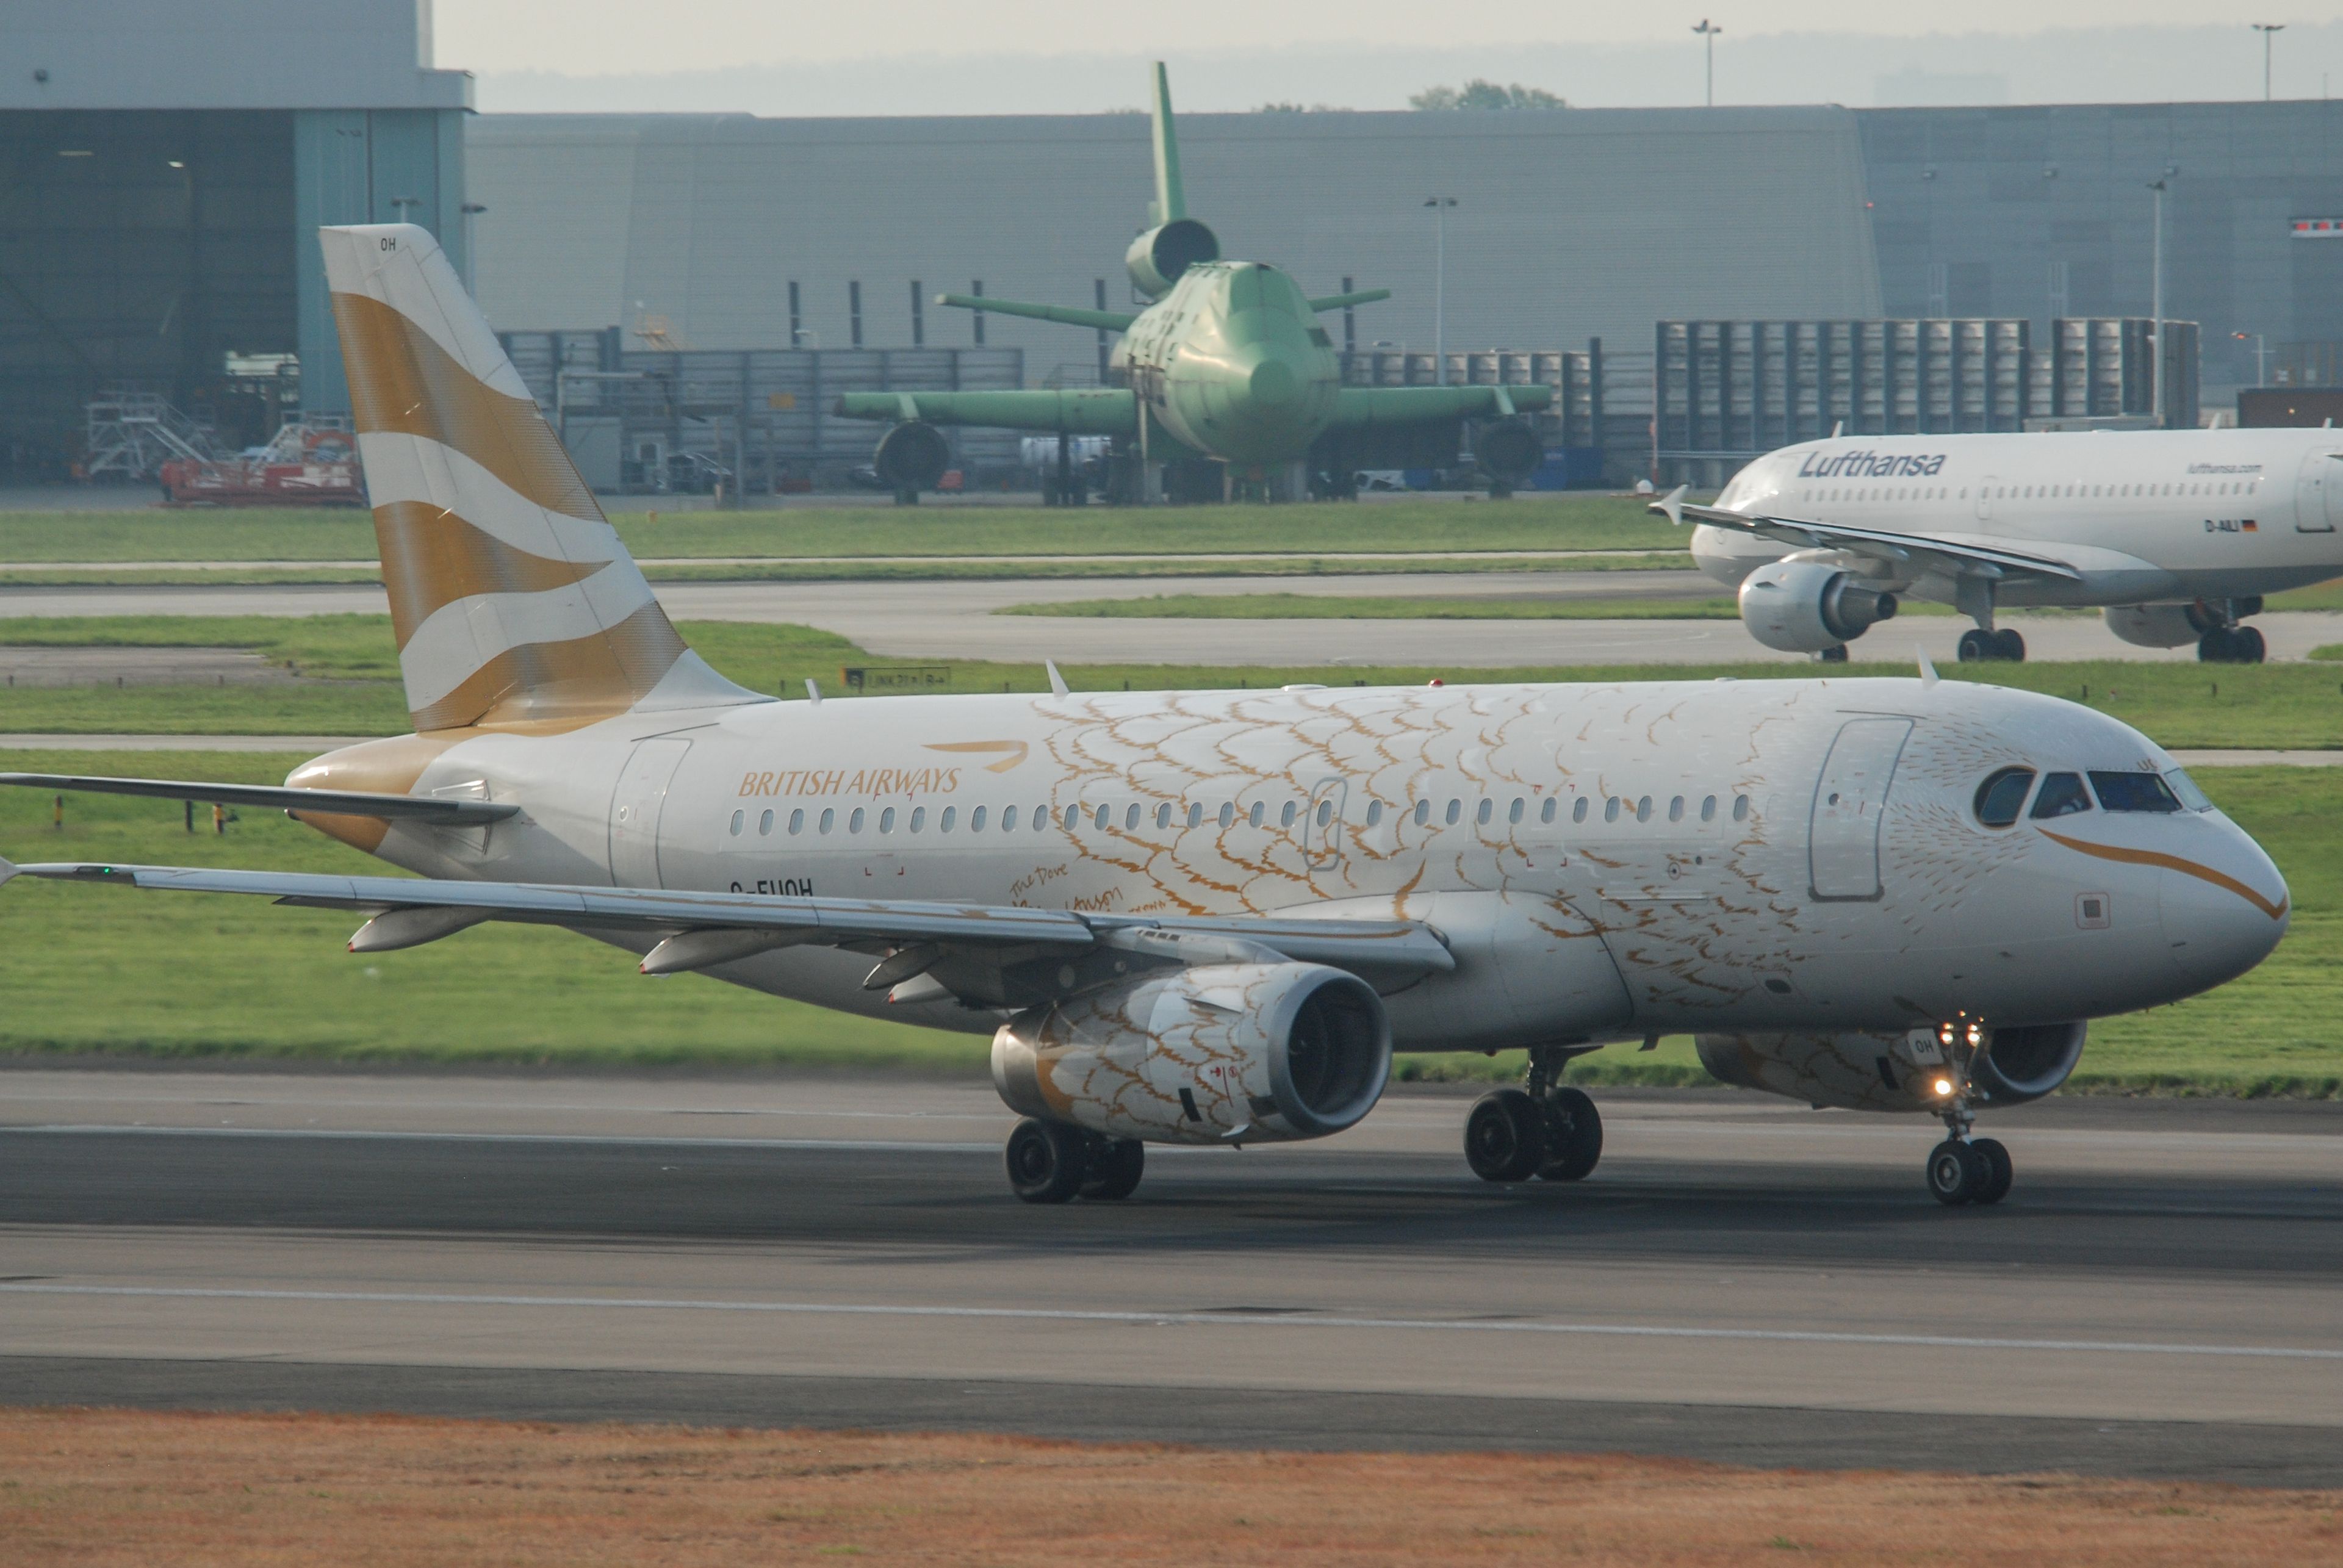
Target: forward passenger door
<point x="1843" y="834"/>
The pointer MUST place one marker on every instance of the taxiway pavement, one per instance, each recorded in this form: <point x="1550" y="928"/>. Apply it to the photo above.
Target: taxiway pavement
<point x="955" y="619"/>
<point x="1742" y="1279"/>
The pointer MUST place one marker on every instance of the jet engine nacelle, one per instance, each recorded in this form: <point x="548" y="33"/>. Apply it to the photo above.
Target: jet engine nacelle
<point x="1507" y="451"/>
<point x="911" y="457"/>
<point x="1156" y="258"/>
<point x="1267" y="1052"/>
<point x="2156" y="625"/>
<point x="1884" y="1071"/>
<point x="1809" y="606"/>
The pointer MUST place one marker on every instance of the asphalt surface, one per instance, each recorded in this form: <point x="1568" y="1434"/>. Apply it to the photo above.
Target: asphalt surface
<point x="955" y="620"/>
<point x="1741" y="1279"/>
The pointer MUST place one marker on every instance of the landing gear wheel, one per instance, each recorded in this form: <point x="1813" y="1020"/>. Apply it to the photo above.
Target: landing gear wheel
<point x="2218" y="646"/>
<point x="1573" y="1136"/>
<point x="1834" y="655"/>
<point x="1116" y="1165"/>
<point x="1505" y="1138"/>
<point x="1975" y="646"/>
<point x="2009" y="647"/>
<point x="1046" y="1160"/>
<point x="2246" y="646"/>
<point x="1999" y="1170"/>
<point x="1957" y="1172"/>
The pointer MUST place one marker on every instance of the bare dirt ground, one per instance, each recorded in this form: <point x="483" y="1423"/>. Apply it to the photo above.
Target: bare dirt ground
<point x="104" y="1487"/>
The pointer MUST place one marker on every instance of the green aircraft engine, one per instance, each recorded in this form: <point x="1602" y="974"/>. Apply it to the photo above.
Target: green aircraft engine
<point x="1507" y="451"/>
<point x="912" y="457"/>
<point x="1157" y="258"/>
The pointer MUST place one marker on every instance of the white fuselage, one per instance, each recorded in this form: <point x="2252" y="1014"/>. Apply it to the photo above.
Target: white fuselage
<point x="2146" y="517"/>
<point x="1606" y="861"/>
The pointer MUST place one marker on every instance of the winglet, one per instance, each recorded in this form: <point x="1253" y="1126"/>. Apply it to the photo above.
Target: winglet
<point x="7" y="870"/>
<point x="1671" y="505"/>
<point x="1171" y="200"/>
<point x="1928" y="671"/>
<point x="1057" y="682"/>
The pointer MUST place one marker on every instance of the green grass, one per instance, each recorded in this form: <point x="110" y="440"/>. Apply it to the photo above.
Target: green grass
<point x="219" y="975"/>
<point x="1562" y="522"/>
<point x="1377" y="607"/>
<point x="2179" y="705"/>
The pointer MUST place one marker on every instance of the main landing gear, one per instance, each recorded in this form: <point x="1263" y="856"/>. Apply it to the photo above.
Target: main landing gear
<point x="1963" y="1169"/>
<point x="1545" y="1130"/>
<point x="2232" y="645"/>
<point x="1979" y="646"/>
<point x="1051" y="1163"/>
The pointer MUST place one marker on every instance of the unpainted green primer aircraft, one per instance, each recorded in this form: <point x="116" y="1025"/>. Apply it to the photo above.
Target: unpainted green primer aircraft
<point x="1226" y="366"/>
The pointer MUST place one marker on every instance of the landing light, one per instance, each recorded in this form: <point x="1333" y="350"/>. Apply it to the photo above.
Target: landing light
<point x="1943" y="1086"/>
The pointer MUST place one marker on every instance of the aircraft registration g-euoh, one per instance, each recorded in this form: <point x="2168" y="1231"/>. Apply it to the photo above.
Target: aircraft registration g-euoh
<point x="1210" y="917"/>
<point x="1225" y="372"/>
<point x="2179" y="534"/>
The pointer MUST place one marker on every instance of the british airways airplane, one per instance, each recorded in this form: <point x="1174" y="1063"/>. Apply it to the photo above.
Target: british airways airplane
<point x="2176" y="534"/>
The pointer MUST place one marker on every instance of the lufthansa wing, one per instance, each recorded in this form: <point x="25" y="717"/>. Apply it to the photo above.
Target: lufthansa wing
<point x="1880" y="544"/>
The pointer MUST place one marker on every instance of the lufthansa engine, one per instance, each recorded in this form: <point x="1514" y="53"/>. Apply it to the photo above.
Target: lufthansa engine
<point x="911" y="457"/>
<point x="1156" y="258"/>
<point x="2156" y="625"/>
<point x="1810" y="607"/>
<point x="1266" y="1053"/>
<point x="1884" y="1071"/>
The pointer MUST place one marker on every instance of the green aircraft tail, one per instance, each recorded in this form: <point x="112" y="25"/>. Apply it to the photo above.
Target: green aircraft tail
<point x="1171" y="201"/>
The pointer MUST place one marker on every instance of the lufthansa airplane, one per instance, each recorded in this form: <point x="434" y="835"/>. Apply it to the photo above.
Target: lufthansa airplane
<point x="2178" y="534"/>
<point x="1209" y="918"/>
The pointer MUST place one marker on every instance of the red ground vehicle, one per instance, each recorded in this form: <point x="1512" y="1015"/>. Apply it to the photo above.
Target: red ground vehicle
<point x="304" y="465"/>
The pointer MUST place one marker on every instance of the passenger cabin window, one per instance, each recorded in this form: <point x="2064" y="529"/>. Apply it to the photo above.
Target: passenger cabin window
<point x="1163" y="814"/>
<point x="854" y="823"/>
<point x="1099" y="818"/>
<point x="975" y="819"/>
<point x="1195" y="814"/>
<point x="886" y="820"/>
<point x="1423" y="812"/>
<point x="1227" y="813"/>
<point x="1514" y="813"/>
<point x="1547" y="811"/>
<point x="765" y="824"/>
<point x="1073" y="817"/>
<point x="1131" y="816"/>
<point x="1374" y="812"/>
<point x="1325" y="812"/>
<point x="2062" y="795"/>
<point x="1456" y="811"/>
<point x="1578" y="810"/>
<point x="1487" y="808"/>
<point x="738" y="819"/>
<point x="1611" y="810"/>
<point x="797" y="821"/>
<point x="1285" y="816"/>
<point x="2002" y="796"/>
<point x="2134" y="792"/>
<point x="1741" y="807"/>
<point x="944" y="823"/>
<point x="919" y="818"/>
<point x="1253" y="818"/>
<point x="1708" y="809"/>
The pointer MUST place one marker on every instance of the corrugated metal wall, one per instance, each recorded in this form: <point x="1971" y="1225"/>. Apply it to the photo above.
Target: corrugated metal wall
<point x="1570" y="225"/>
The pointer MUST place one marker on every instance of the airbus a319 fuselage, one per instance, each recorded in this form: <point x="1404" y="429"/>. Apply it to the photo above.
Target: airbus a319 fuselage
<point x="1211" y="917"/>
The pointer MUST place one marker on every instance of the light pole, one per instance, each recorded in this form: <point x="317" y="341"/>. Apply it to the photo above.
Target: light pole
<point x="2155" y="307"/>
<point x="2268" y="30"/>
<point x="470" y="209"/>
<point x="1440" y="206"/>
<point x="2261" y="356"/>
<point x="1708" y="32"/>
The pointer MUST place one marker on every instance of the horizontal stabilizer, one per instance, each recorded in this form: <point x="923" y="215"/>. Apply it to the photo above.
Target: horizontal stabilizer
<point x="1363" y="407"/>
<point x="1075" y="410"/>
<point x="1344" y="301"/>
<point x="1065" y="314"/>
<point x="437" y="810"/>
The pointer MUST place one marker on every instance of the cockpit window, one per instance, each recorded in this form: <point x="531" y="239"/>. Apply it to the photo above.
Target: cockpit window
<point x="2003" y="795"/>
<point x="2191" y="797"/>
<point x="2062" y="795"/>
<point x="2134" y="792"/>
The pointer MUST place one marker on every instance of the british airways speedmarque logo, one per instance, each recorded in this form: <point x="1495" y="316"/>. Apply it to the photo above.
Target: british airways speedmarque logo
<point x="1871" y="465"/>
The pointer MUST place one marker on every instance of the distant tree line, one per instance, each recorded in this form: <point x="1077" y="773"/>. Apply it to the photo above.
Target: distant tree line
<point x="1478" y="94"/>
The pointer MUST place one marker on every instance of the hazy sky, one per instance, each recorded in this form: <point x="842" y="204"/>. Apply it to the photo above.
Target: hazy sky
<point x="595" y="37"/>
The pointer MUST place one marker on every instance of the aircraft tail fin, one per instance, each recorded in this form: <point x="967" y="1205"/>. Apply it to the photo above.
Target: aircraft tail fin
<point x="512" y="600"/>
<point x="1171" y="199"/>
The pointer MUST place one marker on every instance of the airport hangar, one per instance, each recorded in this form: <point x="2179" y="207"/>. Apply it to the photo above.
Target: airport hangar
<point x="167" y="168"/>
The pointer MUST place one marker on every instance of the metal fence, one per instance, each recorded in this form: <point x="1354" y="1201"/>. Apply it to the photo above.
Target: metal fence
<point x="1724" y="392"/>
<point x="647" y="421"/>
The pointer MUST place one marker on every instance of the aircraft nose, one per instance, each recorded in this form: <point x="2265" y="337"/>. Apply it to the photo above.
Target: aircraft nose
<point x="2224" y="907"/>
<point x="1272" y="382"/>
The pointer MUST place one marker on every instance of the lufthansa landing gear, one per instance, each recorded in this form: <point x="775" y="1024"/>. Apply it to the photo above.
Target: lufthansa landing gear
<point x="1977" y="645"/>
<point x="1545" y="1130"/>
<point x="1963" y="1169"/>
<point x="1050" y="1162"/>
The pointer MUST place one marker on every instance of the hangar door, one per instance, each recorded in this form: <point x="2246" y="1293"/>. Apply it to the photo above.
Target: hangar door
<point x="1843" y="837"/>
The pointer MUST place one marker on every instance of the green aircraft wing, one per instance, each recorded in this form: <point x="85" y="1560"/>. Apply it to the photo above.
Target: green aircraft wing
<point x="1359" y="407"/>
<point x="1077" y="411"/>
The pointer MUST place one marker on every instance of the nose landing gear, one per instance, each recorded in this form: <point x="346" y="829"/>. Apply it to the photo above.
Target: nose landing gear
<point x="1962" y="1169"/>
<point x="1543" y="1129"/>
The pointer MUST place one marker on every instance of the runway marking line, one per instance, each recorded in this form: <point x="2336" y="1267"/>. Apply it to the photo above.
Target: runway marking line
<point x="1177" y="1319"/>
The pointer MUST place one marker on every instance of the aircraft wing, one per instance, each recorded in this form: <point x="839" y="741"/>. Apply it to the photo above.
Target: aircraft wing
<point x="1359" y="407"/>
<point x="1077" y="411"/>
<point x="995" y="955"/>
<point x="439" y="810"/>
<point x="1954" y="557"/>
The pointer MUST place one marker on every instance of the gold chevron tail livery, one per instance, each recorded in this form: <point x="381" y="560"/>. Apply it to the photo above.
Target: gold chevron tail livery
<point x="1211" y="917"/>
